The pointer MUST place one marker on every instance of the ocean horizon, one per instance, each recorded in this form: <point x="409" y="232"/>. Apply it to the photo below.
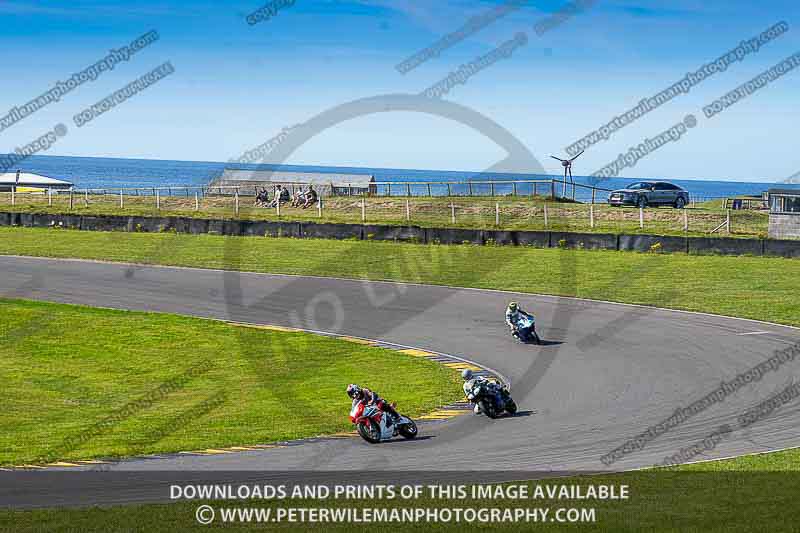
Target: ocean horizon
<point x="109" y="173"/>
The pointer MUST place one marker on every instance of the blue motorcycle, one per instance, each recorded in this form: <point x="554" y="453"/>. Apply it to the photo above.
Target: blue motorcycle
<point x="526" y="330"/>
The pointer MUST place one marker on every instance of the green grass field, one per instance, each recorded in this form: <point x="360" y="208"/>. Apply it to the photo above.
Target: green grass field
<point x="167" y="383"/>
<point x="470" y="212"/>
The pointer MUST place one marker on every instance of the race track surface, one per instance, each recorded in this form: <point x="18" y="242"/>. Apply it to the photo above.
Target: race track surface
<point x="606" y="373"/>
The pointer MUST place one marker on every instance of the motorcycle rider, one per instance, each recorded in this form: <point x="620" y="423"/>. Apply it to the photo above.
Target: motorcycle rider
<point x="363" y="394"/>
<point x="470" y="380"/>
<point x="514" y="314"/>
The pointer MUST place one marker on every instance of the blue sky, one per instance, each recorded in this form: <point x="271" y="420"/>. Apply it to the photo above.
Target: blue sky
<point x="237" y="85"/>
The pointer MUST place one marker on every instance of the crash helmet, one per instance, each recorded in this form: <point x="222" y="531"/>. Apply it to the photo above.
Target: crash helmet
<point x="354" y="391"/>
<point x="513" y="306"/>
<point x="466" y="374"/>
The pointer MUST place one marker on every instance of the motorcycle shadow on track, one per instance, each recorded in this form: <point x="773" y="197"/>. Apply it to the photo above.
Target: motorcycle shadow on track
<point x="545" y="343"/>
<point x="509" y="416"/>
<point x="397" y="441"/>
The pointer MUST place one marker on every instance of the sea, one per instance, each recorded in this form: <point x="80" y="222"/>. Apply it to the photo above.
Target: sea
<point x="113" y="173"/>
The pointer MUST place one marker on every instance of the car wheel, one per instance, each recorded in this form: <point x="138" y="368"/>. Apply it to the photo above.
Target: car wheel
<point x="641" y="202"/>
<point x="680" y="203"/>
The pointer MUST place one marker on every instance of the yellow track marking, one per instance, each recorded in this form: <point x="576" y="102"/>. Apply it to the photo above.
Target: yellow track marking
<point x="357" y="341"/>
<point x="417" y="353"/>
<point x="447" y="412"/>
<point x="91" y="462"/>
<point x="62" y="463"/>
<point x="463" y="366"/>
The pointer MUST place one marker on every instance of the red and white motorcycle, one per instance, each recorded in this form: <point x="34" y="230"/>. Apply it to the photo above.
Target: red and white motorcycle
<point x="375" y="425"/>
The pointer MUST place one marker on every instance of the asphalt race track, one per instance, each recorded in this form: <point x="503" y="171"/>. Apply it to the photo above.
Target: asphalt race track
<point x="606" y="373"/>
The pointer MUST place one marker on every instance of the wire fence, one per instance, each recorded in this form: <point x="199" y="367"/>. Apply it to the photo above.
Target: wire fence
<point x="536" y="212"/>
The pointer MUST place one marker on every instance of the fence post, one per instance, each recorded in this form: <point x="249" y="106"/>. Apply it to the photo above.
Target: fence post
<point x="534" y="188"/>
<point x="429" y="190"/>
<point x="545" y="216"/>
<point x="236" y="201"/>
<point x="685" y="220"/>
<point x="408" y="210"/>
<point x="491" y="188"/>
<point x="728" y="221"/>
<point x="363" y="210"/>
<point x="593" y="193"/>
<point x="71" y="203"/>
<point x="591" y="215"/>
<point x="449" y="193"/>
<point x="452" y="213"/>
<point x="13" y="195"/>
<point x="641" y="218"/>
<point x="86" y="197"/>
<point x="497" y="213"/>
<point x="469" y="185"/>
<point x="196" y="201"/>
<point x="514" y="189"/>
<point x="408" y="189"/>
<point x="121" y="199"/>
<point x="553" y="189"/>
<point x="158" y="198"/>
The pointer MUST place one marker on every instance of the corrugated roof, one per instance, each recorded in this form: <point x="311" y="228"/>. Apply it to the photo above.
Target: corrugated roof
<point x="783" y="192"/>
<point x="30" y="179"/>
<point x="279" y="176"/>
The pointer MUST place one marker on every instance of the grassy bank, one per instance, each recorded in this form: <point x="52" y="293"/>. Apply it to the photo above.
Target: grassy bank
<point x="470" y="212"/>
<point x="751" y="287"/>
<point x="165" y="383"/>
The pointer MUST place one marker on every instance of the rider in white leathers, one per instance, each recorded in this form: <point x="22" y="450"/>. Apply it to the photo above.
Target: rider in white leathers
<point x="513" y="315"/>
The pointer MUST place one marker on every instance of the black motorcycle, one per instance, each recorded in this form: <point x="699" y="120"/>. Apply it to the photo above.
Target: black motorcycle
<point x="491" y="398"/>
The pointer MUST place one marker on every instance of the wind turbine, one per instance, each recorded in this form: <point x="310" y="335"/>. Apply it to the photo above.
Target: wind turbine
<point x="567" y="164"/>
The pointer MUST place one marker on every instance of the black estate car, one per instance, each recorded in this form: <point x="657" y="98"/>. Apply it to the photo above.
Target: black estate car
<point x="645" y="193"/>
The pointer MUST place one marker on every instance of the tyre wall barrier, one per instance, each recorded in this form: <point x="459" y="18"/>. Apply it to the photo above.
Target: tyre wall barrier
<point x="647" y="243"/>
<point x="332" y="231"/>
<point x="394" y="233"/>
<point x="453" y="236"/>
<point x="588" y="241"/>
<point x="725" y="246"/>
<point x="540" y="239"/>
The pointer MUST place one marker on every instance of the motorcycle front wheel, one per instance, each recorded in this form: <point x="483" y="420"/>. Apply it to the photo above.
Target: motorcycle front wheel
<point x="409" y="430"/>
<point x="488" y="409"/>
<point x="369" y="432"/>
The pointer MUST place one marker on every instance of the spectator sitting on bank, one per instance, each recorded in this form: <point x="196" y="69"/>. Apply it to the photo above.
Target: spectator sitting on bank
<point x="262" y="198"/>
<point x="281" y="196"/>
<point x="299" y="197"/>
<point x="310" y="197"/>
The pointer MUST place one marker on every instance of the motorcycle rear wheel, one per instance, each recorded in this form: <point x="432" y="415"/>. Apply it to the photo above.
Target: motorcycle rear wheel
<point x="369" y="432"/>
